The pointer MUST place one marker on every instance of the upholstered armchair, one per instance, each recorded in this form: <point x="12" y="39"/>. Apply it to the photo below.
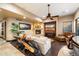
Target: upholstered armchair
<point x="68" y="36"/>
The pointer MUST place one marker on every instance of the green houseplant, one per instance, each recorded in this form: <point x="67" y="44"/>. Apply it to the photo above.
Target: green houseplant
<point x="15" y="29"/>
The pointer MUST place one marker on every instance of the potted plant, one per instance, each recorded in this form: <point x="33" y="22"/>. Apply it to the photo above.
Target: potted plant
<point x="15" y="29"/>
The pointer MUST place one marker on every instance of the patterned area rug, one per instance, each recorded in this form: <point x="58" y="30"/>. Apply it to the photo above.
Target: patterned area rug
<point x="64" y="51"/>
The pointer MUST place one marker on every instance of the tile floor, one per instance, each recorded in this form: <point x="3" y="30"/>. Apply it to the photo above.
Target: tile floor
<point x="7" y="49"/>
<point x="2" y="41"/>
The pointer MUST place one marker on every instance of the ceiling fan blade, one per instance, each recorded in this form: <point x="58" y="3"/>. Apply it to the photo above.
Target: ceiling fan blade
<point x="56" y="16"/>
<point x="51" y="18"/>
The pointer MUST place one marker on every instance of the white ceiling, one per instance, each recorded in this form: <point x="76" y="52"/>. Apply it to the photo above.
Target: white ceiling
<point x="41" y="9"/>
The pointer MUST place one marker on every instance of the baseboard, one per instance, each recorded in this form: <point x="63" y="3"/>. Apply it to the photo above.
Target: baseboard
<point x="10" y="40"/>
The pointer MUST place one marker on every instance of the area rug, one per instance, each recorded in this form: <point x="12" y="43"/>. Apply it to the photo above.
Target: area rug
<point x="64" y="51"/>
<point x="26" y="53"/>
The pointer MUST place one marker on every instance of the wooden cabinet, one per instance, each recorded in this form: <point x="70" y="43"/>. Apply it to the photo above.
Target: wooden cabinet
<point x="50" y="29"/>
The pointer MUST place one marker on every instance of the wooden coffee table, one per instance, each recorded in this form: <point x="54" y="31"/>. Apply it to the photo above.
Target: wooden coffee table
<point x="61" y="38"/>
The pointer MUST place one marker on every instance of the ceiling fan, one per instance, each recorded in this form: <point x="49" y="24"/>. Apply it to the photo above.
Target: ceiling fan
<point x="49" y="14"/>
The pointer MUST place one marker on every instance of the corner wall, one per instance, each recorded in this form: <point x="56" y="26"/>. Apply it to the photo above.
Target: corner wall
<point x="64" y="19"/>
<point x="9" y="34"/>
<point x="41" y="27"/>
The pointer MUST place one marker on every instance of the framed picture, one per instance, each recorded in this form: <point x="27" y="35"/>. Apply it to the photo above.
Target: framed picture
<point x="24" y="26"/>
<point x="67" y="26"/>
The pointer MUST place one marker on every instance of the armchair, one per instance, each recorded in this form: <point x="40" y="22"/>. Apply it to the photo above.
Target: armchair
<point x="69" y="36"/>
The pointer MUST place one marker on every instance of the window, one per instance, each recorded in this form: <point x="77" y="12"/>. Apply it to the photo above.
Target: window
<point x="77" y="27"/>
<point x="67" y="26"/>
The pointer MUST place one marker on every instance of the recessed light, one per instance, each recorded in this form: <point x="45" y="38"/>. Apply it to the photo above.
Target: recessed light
<point x="66" y="10"/>
<point x="24" y="17"/>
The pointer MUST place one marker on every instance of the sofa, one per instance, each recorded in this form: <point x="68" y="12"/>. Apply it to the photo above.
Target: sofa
<point x="43" y="42"/>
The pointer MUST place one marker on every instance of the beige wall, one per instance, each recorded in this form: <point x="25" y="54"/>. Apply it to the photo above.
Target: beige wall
<point x="59" y="26"/>
<point x="9" y="34"/>
<point x="8" y="28"/>
<point x="76" y="14"/>
<point x="41" y="27"/>
<point x="65" y="19"/>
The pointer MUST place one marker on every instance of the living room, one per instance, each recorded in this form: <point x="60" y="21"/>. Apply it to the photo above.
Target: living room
<point x="60" y="29"/>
